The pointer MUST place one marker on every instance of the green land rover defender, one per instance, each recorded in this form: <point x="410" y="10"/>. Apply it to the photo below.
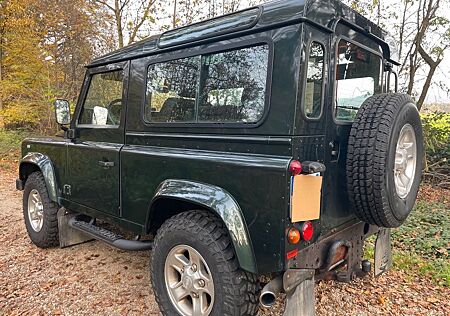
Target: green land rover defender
<point x="253" y="153"/>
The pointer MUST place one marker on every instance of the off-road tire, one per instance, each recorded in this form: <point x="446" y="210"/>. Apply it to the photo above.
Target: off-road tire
<point x="236" y="291"/>
<point x="371" y="159"/>
<point x="48" y="235"/>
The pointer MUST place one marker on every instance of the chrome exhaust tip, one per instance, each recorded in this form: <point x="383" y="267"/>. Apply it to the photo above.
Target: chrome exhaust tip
<point x="270" y="292"/>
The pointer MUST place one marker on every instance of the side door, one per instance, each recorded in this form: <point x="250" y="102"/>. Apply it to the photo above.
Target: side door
<point x="94" y="153"/>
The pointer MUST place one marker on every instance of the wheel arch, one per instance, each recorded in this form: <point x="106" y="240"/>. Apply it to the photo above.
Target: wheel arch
<point x="174" y="196"/>
<point x="34" y="161"/>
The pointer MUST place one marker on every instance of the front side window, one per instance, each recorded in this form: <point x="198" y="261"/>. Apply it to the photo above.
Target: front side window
<point x="103" y="102"/>
<point x="358" y="76"/>
<point x="314" y="81"/>
<point x="227" y="87"/>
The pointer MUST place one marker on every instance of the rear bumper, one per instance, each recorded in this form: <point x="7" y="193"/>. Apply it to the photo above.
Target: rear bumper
<point x="341" y="247"/>
<point x="20" y="184"/>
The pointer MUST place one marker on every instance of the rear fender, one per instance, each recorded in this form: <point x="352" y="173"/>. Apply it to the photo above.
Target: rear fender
<point x="218" y="201"/>
<point x="44" y="164"/>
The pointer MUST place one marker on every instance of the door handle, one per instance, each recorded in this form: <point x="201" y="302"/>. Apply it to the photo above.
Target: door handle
<point x="106" y="164"/>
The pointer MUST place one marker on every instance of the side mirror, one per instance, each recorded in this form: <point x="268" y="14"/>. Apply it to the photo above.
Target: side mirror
<point x="62" y="112"/>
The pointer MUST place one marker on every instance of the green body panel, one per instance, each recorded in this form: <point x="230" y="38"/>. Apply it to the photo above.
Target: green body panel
<point x="238" y="171"/>
<point x="219" y="201"/>
<point x="49" y="155"/>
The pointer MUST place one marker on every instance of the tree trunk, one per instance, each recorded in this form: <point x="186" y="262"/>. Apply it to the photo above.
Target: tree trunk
<point x="174" y="23"/>
<point x="433" y="66"/>
<point x="118" y="16"/>
<point x="426" y="87"/>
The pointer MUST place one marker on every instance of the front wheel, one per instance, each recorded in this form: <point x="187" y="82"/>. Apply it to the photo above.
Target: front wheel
<point x="39" y="212"/>
<point x="195" y="270"/>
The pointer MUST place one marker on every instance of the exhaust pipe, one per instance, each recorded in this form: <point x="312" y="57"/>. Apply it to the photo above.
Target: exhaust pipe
<point x="270" y="292"/>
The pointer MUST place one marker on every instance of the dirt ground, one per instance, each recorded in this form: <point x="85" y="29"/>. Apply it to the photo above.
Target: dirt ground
<point x="95" y="279"/>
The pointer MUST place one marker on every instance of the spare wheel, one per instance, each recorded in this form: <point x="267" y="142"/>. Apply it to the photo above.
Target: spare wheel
<point x="384" y="159"/>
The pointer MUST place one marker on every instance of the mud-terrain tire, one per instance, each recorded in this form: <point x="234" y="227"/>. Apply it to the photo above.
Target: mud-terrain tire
<point x="44" y="234"/>
<point x="235" y="290"/>
<point x="375" y="159"/>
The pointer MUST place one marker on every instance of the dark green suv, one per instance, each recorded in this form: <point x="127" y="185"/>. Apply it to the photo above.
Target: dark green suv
<point x="263" y="145"/>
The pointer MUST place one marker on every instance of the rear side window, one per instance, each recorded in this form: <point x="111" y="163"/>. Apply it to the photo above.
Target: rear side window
<point x="226" y="87"/>
<point x="233" y="85"/>
<point x="314" y="81"/>
<point x="171" y="90"/>
<point x="358" y="76"/>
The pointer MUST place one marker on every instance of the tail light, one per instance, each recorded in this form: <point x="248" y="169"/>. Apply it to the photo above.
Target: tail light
<point x="293" y="236"/>
<point x="295" y="167"/>
<point x="307" y="231"/>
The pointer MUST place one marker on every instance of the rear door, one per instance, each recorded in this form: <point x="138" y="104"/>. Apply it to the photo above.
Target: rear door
<point x="355" y="74"/>
<point x="93" y="156"/>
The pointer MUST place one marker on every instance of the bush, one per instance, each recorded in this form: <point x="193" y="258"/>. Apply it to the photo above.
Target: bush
<point x="436" y="127"/>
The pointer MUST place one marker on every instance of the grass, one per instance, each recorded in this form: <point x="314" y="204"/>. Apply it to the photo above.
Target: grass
<point x="421" y="245"/>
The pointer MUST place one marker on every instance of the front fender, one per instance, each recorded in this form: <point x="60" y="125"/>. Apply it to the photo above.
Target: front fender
<point x="223" y="204"/>
<point x="44" y="163"/>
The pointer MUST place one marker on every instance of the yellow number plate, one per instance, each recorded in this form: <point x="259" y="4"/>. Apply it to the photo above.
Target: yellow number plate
<point x="305" y="198"/>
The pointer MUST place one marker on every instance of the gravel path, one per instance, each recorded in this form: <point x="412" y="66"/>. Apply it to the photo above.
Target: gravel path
<point x="95" y="279"/>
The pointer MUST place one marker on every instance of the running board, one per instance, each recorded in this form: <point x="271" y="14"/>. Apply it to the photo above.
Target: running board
<point x="109" y="237"/>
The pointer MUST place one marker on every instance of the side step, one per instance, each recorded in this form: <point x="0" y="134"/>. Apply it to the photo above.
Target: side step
<point x="109" y="237"/>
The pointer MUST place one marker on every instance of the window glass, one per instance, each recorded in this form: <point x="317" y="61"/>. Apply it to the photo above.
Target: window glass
<point x="171" y="90"/>
<point x="358" y="77"/>
<point x="221" y="87"/>
<point x="103" y="103"/>
<point x="314" y="81"/>
<point x="233" y="85"/>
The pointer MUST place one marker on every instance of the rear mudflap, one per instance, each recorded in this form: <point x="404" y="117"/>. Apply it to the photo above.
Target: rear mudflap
<point x="383" y="252"/>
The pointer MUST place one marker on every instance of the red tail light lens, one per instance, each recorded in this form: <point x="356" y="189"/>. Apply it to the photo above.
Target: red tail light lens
<point x="295" y="167"/>
<point x="307" y="231"/>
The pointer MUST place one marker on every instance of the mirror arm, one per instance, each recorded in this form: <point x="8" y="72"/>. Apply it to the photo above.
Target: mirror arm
<point x="64" y="128"/>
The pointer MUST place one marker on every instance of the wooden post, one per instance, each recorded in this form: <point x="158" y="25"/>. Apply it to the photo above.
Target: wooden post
<point x="300" y="301"/>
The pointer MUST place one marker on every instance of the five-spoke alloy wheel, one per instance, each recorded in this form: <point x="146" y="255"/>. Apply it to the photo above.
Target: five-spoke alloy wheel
<point x="405" y="161"/>
<point x="189" y="281"/>
<point x="35" y="210"/>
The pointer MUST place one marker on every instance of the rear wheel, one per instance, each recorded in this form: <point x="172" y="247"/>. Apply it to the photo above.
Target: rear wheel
<point x="40" y="213"/>
<point x="195" y="270"/>
<point x="384" y="160"/>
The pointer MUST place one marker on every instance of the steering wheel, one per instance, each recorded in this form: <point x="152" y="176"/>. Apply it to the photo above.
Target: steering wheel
<point x="111" y="117"/>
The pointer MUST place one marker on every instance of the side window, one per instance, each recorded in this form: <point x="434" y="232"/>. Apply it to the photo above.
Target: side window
<point x="103" y="102"/>
<point x="314" y="81"/>
<point x="358" y="76"/>
<point x="233" y="85"/>
<point x="227" y="87"/>
<point x="171" y="91"/>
